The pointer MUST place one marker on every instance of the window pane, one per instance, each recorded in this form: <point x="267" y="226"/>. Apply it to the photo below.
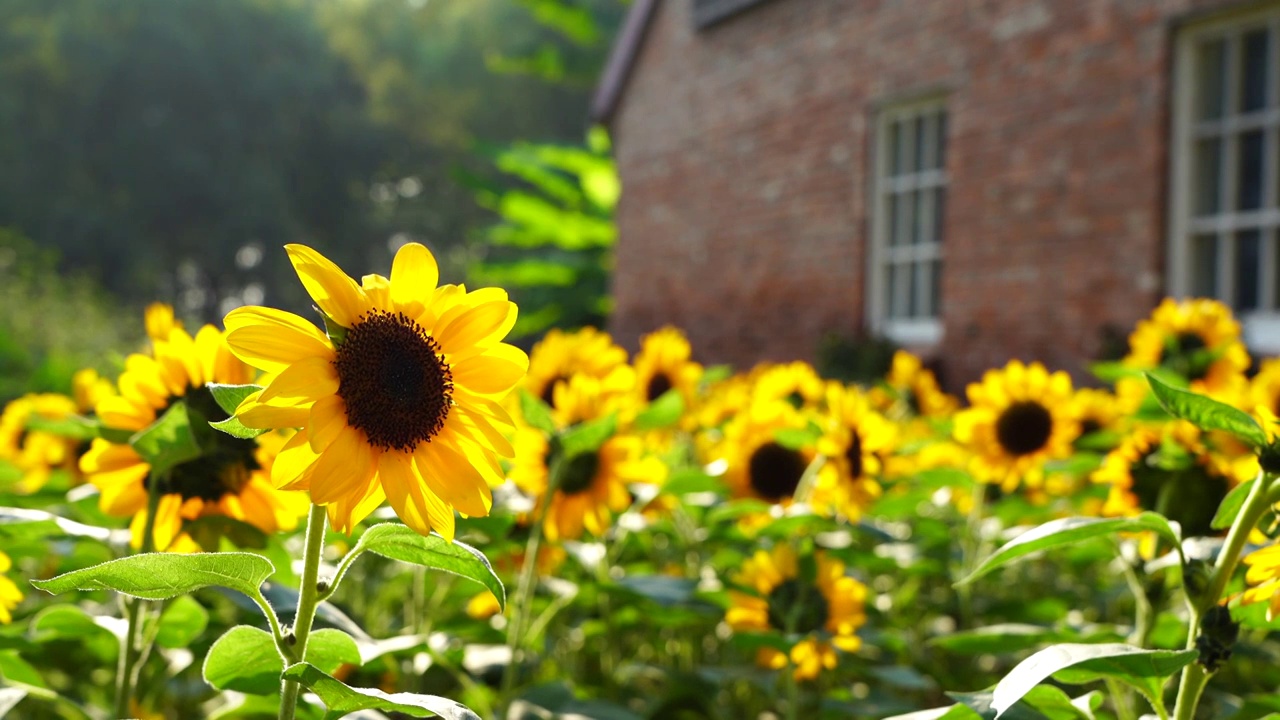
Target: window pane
<point x="899" y="289"/>
<point x="908" y="145"/>
<point x="895" y="148"/>
<point x="1204" y="265"/>
<point x="923" y="161"/>
<point x="1253" y="70"/>
<point x="1208" y="175"/>
<point x="1210" y="66"/>
<point x="1246" y="270"/>
<point x="917" y="282"/>
<point x="891" y="222"/>
<point x="939" y="212"/>
<point x="1249" y="193"/>
<point x="919" y="216"/>
<point x="935" y="289"/>
<point x="942" y="141"/>
<point x="905" y="214"/>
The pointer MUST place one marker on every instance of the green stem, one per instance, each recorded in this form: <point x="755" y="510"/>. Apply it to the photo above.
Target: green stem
<point x="1142" y="610"/>
<point x="1120" y="700"/>
<point x="131" y="653"/>
<point x="793" y="693"/>
<point x="1194" y="677"/>
<point x="308" y="599"/>
<point x="971" y="545"/>
<point x="524" y="587"/>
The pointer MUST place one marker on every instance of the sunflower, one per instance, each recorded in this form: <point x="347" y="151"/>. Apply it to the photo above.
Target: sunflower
<point x="231" y="477"/>
<point x="1168" y="468"/>
<point x="760" y="464"/>
<point x="1198" y="339"/>
<point x="1264" y="388"/>
<point x="159" y="320"/>
<point x="1097" y="411"/>
<point x="912" y="390"/>
<point x="400" y="401"/>
<point x="855" y="442"/>
<point x="10" y="595"/>
<point x="1018" y="418"/>
<point x="663" y="364"/>
<point x="561" y="355"/>
<point x="1263" y="577"/>
<point x="795" y="382"/>
<point x="37" y="453"/>
<point x="783" y="601"/>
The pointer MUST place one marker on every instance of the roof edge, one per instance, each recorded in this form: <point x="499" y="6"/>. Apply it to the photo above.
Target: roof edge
<point x="622" y="58"/>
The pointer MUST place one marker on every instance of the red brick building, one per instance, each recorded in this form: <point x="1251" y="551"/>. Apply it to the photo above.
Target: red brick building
<point x="975" y="179"/>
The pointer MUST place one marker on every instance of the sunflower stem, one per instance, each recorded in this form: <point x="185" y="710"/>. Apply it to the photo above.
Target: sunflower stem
<point x="131" y="653"/>
<point x="308" y="599"/>
<point x="971" y="545"/>
<point x="528" y="576"/>
<point x="1194" y="677"/>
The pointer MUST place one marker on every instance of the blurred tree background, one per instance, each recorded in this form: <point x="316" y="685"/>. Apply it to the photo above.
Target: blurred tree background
<point x="166" y="149"/>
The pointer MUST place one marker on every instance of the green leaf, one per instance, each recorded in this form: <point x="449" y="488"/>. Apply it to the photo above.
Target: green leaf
<point x="1069" y="531"/>
<point x="402" y="543"/>
<point x="663" y="412"/>
<point x="26" y="524"/>
<point x="76" y="427"/>
<point x="662" y="589"/>
<point x="1145" y="670"/>
<point x="209" y="531"/>
<point x="245" y="659"/>
<point x="168" y="441"/>
<point x="229" y="397"/>
<point x="70" y="623"/>
<point x="688" y="481"/>
<point x="16" y="671"/>
<point x="181" y="622"/>
<point x="160" y="576"/>
<point x="996" y="639"/>
<point x="1207" y="413"/>
<point x="588" y="436"/>
<point x="9" y="698"/>
<point x="798" y="438"/>
<point x="1230" y="506"/>
<point x="536" y="413"/>
<point x="233" y="427"/>
<point x="341" y="699"/>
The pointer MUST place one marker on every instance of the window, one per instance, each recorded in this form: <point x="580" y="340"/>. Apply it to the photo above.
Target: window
<point x="1225" y="212"/>
<point x="909" y="202"/>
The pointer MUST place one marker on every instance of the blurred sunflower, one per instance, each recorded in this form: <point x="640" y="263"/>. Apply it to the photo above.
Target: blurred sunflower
<point x="561" y="355"/>
<point x="911" y="389"/>
<point x="1167" y="468"/>
<point x="855" y="442"/>
<point x="593" y="486"/>
<point x="10" y="595"/>
<point x="758" y="464"/>
<point x="37" y="453"/>
<point x="403" y="401"/>
<point x="785" y="601"/>
<point x="231" y="477"/>
<point x="1019" y="417"/>
<point x="1263" y="578"/>
<point x="1198" y="338"/>
<point x="159" y="320"/>
<point x="797" y="383"/>
<point x="1264" y="388"/>
<point x="663" y="364"/>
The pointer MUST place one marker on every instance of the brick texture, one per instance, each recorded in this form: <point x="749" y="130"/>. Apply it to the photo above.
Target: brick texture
<point x="745" y="152"/>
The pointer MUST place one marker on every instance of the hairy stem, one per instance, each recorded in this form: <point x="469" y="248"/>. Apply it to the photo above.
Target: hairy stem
<point x="308" y="599"/>
<point x="131" y="653"/>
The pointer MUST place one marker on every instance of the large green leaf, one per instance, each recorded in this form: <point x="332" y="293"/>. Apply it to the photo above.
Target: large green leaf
<point x="402" y="543"/>
<point x="1207" y="413"/>
<point x="229" y="397"/>
<point x="664" y="411"/>
<point x="588" y="436"/>
<point x="167" y="442"/>
<point x="1069" y="531"/>
<point x="1231" y="505"/>
<point x="160" y="576"/>
<point x="1145" y="670"/>
<point x="245" y="658"/>
<point x="535" y="412"/>
<point x="342" y="700"/>
<point x="181" y="622"/>
<point x="69" y="623"/>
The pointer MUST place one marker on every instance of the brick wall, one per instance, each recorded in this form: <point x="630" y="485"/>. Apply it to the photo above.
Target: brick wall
<point x="745" y="153"/>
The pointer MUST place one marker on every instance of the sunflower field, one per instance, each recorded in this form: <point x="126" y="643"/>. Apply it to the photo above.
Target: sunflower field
<point x="391" y="512"/>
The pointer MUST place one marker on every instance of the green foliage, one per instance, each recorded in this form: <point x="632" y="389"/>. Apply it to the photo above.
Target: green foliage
<point x="862" y="360"/>
<point x="431" y="551"/>
<point x="167" y="442"/>
<point x="663" y="412"/>
<point x="1207" y="413"/>
<point x="1145" y="670"/>
<point x="245" y="658"/>
<point x="160" y="576"/>
<point x="342" y="700"/>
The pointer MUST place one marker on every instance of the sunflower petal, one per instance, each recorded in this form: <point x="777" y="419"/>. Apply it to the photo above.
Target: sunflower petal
<point x="414" y="275"/>
<point x="494" y="371"/>
<point x="475" y="327"/>
<point x="307" y="380"/>
<point x="336" y="293"/>
<point x="343" y="468"/>
<point x="272" y="339"/>
<point x="328" y="417"/>
<point x="416" y="505"/>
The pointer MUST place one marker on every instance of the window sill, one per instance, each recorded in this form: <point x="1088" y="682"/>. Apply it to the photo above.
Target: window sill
<point x="1262" y="333"/>
<point x="915" y="333"/>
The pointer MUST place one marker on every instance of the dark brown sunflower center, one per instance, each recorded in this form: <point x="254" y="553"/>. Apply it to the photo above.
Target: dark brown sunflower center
<point x="397" y="387"/>
<point x="224" y="466"/>
<point x="1183" y="491"/>
<point x="1186" y="354"/>
<point x="578" y="473"/>
<point x="658" y="385"/>
<point x="549" y="390"/>
<point x="1024" y="427"/>
<point x="854" y="454"/>
<point x="797" y="607"/>
<point x="775" y="471"/>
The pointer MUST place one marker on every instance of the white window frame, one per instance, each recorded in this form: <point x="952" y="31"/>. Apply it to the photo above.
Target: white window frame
<point x="1261" y="326"/>
<point x="917" y="332"/>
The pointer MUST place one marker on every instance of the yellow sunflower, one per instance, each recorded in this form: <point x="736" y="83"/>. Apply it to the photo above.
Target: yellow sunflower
<point x="1264" y="388"/>
<point x="784" y="602"/>
<point x="1198" y="339"/>
<point x="1019" y="417"/>
<point x="855" y="442"/>
<point x="911" y="389"/>
<point x="561" y="355"/>
<point x="758" y="464"/>
<point x="231" y="478"/>
<point x="159" y="320"/>
<point x="1097" y="411"/>
<point x="1263" y="578"/>
<point x="10" y="595"/>
<point x="36" y="453"/>
<point x="1170" y="469"/>
<point x="662" y="364"/>
<point x="795" y="382"/>
<point x="401" y="401"/>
